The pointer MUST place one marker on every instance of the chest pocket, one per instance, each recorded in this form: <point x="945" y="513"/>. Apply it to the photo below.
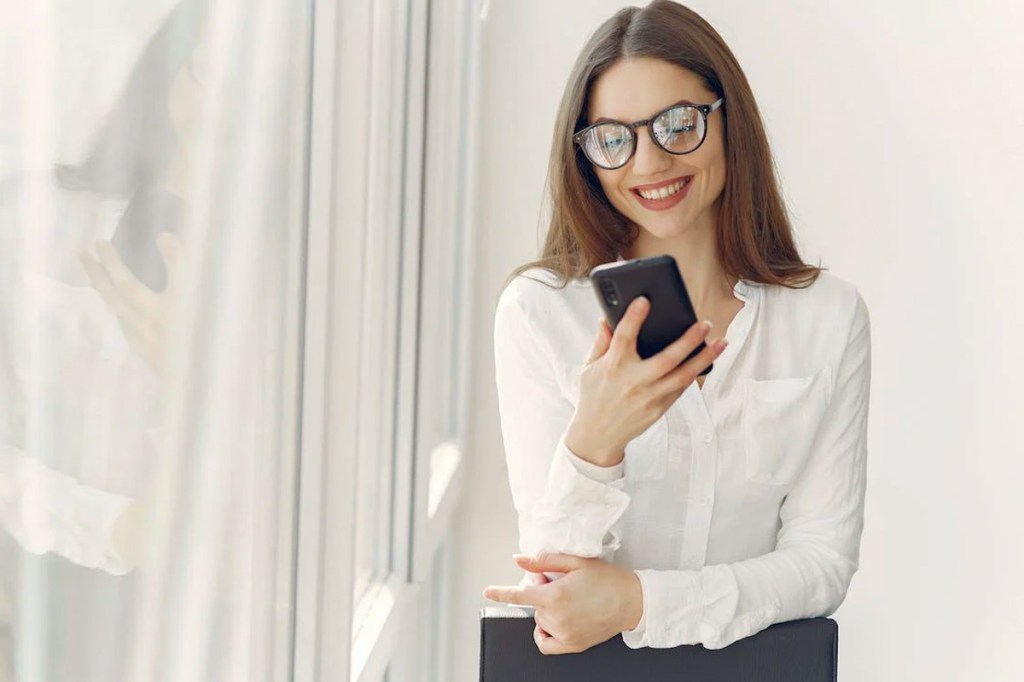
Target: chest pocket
<point x="779" y="422"/>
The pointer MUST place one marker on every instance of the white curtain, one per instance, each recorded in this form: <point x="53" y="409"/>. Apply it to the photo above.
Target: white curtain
<point x="152" y="184"/>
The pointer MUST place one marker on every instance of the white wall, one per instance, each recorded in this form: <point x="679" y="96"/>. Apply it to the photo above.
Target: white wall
<point x="899" y="133"/>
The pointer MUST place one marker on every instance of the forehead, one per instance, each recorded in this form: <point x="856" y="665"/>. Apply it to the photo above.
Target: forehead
<point x="632" y="89"/>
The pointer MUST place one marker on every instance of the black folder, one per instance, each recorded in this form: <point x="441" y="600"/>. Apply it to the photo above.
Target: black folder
<point x="797" y="651"/>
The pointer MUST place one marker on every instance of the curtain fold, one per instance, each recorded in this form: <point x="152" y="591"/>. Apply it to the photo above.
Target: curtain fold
<point x="152" y="189"/>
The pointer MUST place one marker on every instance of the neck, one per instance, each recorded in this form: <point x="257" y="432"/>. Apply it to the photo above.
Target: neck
<point x="696" y="254"/>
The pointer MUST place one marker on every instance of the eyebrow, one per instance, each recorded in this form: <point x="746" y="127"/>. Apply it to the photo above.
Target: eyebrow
<point x="604" y="119"/>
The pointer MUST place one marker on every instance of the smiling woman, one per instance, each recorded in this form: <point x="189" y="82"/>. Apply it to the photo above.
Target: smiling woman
<point x="752" y="514"/>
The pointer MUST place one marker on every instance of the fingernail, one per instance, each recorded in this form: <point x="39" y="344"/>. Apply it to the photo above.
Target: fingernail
<point x="707" y="325"/>
<point x="640" y="302"/>
<point x="521" y="557"/>
<point x="722" y="343"/>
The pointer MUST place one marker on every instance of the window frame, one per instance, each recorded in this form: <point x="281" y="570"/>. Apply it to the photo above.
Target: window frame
<point x="385" y="633"/>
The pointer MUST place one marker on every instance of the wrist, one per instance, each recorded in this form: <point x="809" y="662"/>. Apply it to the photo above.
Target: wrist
<point x="580" y="446"/>
<point x="633" y="609"/>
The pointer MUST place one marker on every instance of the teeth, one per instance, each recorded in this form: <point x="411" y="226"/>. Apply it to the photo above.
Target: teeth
<point x="663" y="192"/>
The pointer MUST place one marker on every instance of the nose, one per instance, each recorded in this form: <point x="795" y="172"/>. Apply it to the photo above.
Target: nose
<point x="650" y="159"/>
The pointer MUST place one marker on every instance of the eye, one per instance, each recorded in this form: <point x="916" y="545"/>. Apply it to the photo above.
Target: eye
<point x="679" y="129"/>
<point x="612" y="143"/>
<point x="612" y="137"/>
<point x="679" y="121"/>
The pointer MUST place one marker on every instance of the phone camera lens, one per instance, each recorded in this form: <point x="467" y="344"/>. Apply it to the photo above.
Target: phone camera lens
<point x="610" y="294"/>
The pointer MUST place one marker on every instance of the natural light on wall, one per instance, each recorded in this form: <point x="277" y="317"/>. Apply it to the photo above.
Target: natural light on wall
<point x="233" y="336"/>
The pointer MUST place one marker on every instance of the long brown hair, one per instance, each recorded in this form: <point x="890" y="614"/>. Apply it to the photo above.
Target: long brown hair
<point x="754" y="235"/>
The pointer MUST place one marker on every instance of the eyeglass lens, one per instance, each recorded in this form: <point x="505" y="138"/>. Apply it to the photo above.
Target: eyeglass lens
<point x="678" y="130"/>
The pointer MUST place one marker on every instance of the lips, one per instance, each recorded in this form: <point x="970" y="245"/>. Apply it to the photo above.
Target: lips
<point x="663" y="195"/>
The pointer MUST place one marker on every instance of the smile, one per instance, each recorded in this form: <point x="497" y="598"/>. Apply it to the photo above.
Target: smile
<point x="666" y="196"/>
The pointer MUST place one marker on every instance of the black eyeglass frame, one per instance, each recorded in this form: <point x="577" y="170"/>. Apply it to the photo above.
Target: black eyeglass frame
<point x="704" y="109"/>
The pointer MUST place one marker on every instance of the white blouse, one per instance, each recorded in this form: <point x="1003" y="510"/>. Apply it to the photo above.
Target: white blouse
<point x="743" y="505"/>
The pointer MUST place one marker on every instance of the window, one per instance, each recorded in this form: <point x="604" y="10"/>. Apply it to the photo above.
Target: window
<point x="148" y="433"/>
<point x="293" y="485"/>
<point x="389" y="246"/>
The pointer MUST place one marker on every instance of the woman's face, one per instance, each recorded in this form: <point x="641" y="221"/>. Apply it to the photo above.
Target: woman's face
<point x="635" y="89"/>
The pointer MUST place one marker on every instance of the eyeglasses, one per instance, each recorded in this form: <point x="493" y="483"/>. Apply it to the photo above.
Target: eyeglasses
<point x="680" y="129"/>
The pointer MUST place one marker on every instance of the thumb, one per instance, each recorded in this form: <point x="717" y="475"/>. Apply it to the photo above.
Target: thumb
<point x="602" y="342"/>
<point x="169" y="246"/>
<point x="561" y="563"/>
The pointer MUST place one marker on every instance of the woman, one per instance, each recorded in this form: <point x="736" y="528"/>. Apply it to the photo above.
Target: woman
<point x="674" y="508"/>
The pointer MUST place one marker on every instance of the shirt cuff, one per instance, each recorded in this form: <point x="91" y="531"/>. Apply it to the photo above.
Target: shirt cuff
<point x="685" y="607"/>
<point x="98" y="513"/>
<point x="592" y="471"/>
<point x="636" y="635"/>
<point x="576" y="513"/>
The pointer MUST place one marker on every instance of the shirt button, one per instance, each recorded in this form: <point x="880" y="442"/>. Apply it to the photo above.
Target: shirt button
<point x="707" y="437"/>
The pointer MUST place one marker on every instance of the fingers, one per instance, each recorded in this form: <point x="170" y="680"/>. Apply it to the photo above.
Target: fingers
<point x="561" y="563"/>
<point x="677" y="380"/>
<point x="601" y="342"/>
<point x="539" y="634"/>
<point x="131" y="318"/>
<point x="530" y="595"/>
<point x="533" y="579"/>
<point x="669" y="358"/>
<point x="549" y="646"/>
<point x="133" y="291"/>
<point x="628" y="329"/>
<point x="169" y="247"/>
<point x="547" y="643"/>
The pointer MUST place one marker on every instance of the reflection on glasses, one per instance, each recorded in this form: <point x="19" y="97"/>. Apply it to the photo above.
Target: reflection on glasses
<point x="679" y="129"/>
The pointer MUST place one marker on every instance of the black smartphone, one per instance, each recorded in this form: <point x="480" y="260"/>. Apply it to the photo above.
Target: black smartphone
<point x="659" y="280"/>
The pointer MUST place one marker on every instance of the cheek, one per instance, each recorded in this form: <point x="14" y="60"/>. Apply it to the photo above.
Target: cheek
<point x="610" y="184"/>
<point x="716" y="165"/>
<point x="716" y="174"/>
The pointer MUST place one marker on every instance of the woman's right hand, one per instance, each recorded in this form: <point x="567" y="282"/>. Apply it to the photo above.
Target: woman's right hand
<point x="529" y="578"/>
<point x="622" y="394"/>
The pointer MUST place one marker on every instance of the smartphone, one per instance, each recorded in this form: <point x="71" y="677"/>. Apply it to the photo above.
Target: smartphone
<point x="659" y="280"/>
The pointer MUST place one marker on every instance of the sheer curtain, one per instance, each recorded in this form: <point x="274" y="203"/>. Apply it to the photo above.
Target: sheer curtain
<point x="152" y="184"/>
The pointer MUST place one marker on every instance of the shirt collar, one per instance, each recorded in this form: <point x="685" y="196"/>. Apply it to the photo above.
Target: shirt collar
<point x="742" y="289"/>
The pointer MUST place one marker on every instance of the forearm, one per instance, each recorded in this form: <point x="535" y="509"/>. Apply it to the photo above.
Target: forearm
<point x="718" y="605"/>
<point x="578" y="513"/>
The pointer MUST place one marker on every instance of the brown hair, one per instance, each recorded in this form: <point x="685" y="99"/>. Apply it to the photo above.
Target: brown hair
<point x="754" y="235"/>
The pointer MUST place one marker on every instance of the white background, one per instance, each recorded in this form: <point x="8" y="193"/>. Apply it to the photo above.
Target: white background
<point x="898" y="129"/>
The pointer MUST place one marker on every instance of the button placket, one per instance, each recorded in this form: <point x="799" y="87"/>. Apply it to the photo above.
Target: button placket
<point x="702" y="483"/>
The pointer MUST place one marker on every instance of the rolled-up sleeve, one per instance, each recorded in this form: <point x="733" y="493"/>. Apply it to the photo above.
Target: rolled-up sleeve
<point x="48" y="511"/>
<point x="564" y="504"/>
<point x="818" y="546"/>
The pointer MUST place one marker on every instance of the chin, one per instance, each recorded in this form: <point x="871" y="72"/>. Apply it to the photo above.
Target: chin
<point x="665" y="229"/>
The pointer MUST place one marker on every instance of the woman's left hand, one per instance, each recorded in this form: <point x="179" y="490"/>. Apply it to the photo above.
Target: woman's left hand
<point x="142" y="313"/>
<point x="591" y="603"/>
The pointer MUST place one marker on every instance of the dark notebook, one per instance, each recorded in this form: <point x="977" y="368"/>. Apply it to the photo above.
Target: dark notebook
<point x="797" y="651"/>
